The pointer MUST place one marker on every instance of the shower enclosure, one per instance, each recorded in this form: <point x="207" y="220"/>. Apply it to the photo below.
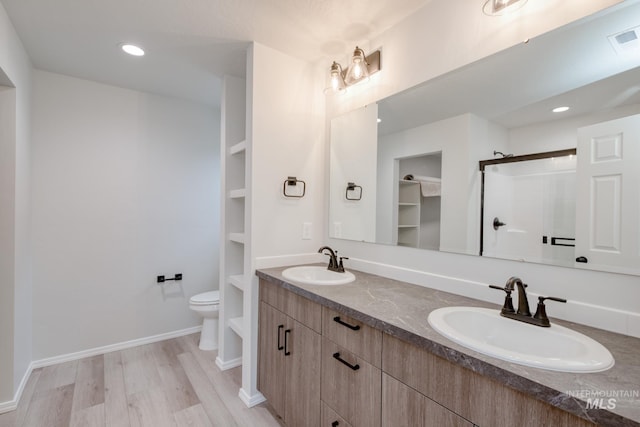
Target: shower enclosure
<point x="529" y="207"/>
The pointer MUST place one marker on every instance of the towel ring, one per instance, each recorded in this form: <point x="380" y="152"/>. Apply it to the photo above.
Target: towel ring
<point x="352" y="187"/>
<point x="292" y="181"/>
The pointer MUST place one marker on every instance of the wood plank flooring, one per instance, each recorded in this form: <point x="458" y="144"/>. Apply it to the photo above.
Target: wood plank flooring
<point x="168" y="383"/>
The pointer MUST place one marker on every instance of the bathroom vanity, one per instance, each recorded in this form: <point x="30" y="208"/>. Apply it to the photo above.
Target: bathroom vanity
<point x="363" y="354"/>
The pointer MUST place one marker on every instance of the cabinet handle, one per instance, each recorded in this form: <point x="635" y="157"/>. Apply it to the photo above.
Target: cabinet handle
<point x="286" y="350"/>
<point x="280" y="327"/>
<point x="335" y="424"/>
<point x="343" y="323"/>
<point x="341" y="360"/>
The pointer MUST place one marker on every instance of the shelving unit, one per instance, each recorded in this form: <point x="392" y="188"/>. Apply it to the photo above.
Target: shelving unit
<point x="234" y="248"/>
<point x="408" y="213"/>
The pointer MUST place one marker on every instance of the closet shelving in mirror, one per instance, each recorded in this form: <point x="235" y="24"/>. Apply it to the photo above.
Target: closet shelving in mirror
<point x="408" y="224"/>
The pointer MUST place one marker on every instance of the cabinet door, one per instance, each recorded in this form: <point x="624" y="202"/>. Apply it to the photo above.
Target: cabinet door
<point x="302" y="360"/>
<point x="350" y="385"/>
<point x="403" y="406"/>
<point x="271" y="373"/>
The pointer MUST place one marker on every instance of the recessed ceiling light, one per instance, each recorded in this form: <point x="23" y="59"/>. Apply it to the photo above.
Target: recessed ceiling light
<point x="560" y="109"/>
<point x="132" y="49"/>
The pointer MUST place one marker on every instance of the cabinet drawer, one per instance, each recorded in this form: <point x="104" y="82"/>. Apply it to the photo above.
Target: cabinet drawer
<point x="353" y="335"/>
<point x="299" y="308"/>
<point x="331" y="419"/>
<point x="404" y="406"/>
<point x="466" y="393"/>
<point x="350" y="386"/>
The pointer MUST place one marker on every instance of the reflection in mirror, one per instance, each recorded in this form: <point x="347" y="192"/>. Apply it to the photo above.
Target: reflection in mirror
<point x="529" y="208"/>
<point x="500" y="104"/>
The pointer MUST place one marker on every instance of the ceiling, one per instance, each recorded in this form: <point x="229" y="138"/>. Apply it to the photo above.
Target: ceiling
<point x="190" y="44"/>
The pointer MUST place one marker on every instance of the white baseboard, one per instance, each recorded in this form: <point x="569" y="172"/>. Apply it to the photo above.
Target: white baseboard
<point x="114" y="347"/>
<point x="228" y="364"/>
<point x="251" y="400"/>
<point x="13" y="404"/>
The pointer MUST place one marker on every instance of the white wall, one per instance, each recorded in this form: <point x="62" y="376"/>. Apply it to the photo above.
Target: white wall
<point x="125" y="187"/>
<point x="354" y="159"/>
<point x="15" y="274"/>
<point x="285" y="134"/>
<point x="452" y="34"/>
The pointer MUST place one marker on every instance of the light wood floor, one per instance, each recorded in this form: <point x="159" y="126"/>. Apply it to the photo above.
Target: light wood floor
<point x="169" y="383"/>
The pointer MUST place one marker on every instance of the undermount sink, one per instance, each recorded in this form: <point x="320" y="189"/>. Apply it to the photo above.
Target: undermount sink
<point x="317" y="275"/>
<point x="555" y="348"/>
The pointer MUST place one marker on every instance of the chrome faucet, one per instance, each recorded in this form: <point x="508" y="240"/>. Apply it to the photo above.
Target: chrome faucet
<point x="523" y="314"/>
<point x="334" y="264"/>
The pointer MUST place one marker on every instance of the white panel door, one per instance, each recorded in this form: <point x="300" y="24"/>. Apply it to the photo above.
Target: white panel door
<point x="608" y="196"/>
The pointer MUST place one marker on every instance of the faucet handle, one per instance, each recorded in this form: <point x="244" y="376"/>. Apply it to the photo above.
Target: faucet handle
<point x="341" y="266"/>
<point x="541" y="311"/>
<point x="508" y="302"/>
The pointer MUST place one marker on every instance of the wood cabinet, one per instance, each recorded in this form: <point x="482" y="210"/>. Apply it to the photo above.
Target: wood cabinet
<point x="403" y="406"/>
<point x="351" y="375"/>
<point x="330" y="418"/>
<point x="472" y="396"/>
<point x="319" y="367"/>
<point x="350" y="385"/>
<point x="289" y="364"/>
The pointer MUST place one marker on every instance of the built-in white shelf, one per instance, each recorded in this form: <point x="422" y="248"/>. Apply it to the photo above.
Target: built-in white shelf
<point x="236" y="237"/>
<point x="237" y="194"/>
<point x="238" y="148"/>
<point x="236" y="323"/>
<point x="237" y="281"/>
<point x="408" y="226"/>
<point x="408" y="204"/>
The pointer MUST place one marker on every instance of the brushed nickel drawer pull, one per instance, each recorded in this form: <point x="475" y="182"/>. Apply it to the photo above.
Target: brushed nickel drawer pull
<point x="339" y="359"/>
<point x="343" y="323"/>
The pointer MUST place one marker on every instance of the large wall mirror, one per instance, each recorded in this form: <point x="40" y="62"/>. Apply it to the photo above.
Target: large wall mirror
<point x="560" y="188"/>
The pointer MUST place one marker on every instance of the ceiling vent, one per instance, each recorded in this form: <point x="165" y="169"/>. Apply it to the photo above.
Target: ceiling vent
<point x="626" y="42"/>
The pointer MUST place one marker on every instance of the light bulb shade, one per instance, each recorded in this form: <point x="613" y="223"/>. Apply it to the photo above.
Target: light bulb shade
<point x="502" y="7"/>
<point x="358" y="68"/>
<point x="336" y="82"/>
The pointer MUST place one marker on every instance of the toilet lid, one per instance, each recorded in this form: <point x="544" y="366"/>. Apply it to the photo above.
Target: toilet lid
<point x="205" y="298"/>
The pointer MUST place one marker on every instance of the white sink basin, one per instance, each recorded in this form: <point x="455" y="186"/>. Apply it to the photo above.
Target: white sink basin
<point x="317" y="275"/>
<point x="556" y="348"/>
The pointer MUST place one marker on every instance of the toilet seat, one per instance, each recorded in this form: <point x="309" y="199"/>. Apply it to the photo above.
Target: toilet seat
<point x="206" y="298"/>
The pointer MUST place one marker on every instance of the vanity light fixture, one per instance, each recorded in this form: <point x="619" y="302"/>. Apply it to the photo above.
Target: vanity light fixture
<point x="560" y="109"/>
<point x="501" y="7"/>
<point x="360" y="68"/>
<point x="132" y="49"/>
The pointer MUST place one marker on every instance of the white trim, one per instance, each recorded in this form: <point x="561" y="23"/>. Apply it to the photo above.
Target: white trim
<point x="283" y="260"/>
<point x="113" y="347"/>
<point x="251" y="401"/>
<point x="11" y="405"/>
<point x="229" y="363"/>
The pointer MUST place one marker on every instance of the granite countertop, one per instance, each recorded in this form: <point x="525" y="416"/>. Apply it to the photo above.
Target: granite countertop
<point x="401" y="309"/>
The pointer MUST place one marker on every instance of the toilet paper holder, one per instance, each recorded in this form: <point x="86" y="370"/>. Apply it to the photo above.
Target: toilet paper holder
<point x="176" y="277"/>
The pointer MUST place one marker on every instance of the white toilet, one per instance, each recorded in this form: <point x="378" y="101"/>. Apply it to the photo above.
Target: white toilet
<point x="206" y="305"/>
